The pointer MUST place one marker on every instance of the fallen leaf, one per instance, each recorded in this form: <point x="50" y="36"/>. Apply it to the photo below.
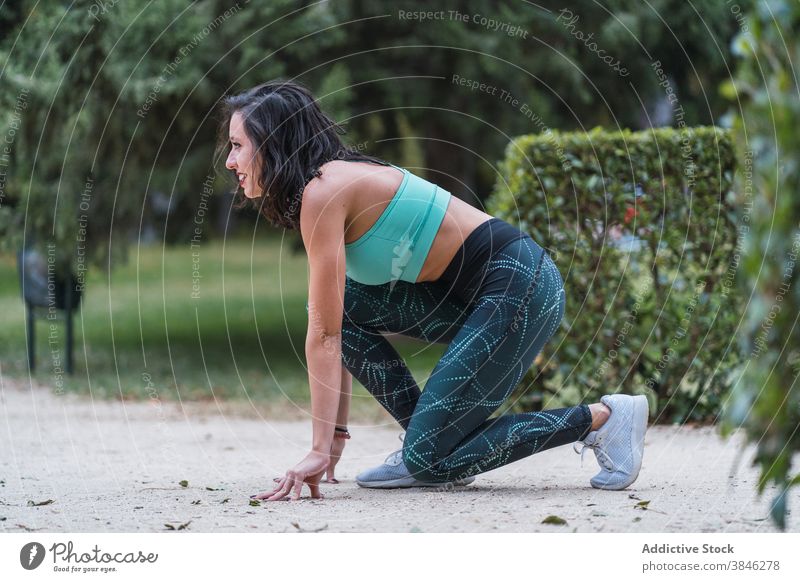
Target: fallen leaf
<point x="213" y="489"/>
<point x="38" y="503"/>
<point x="225" y="500"/>
<point x="169" y="526"/>
<point x="255" y="503"/>
<point x="183" y="483"/>
<point x="300" y="529"/>
<point x="197" y="502"/>
<point x="554" y="520"/>
<point x="642" y="505"/>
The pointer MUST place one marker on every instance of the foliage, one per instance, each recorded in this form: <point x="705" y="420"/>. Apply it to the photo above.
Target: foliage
<point x="642" y="227"/>
<point x="116" y="129"/>
<point x="120" y="100"/>
<point x="766" y="400"/>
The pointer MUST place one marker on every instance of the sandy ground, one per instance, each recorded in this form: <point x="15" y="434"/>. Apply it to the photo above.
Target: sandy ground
<point x="117" y="466"/>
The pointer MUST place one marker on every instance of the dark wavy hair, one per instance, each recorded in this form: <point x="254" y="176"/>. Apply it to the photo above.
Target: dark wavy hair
<point x="292" y="137"/>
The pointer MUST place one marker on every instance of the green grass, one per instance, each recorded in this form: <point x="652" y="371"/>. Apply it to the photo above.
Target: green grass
<point x="242" y="338"/>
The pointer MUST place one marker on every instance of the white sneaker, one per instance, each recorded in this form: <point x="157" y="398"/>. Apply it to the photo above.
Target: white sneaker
<point x="619" y="443"/>
<point x="393" y="474"/>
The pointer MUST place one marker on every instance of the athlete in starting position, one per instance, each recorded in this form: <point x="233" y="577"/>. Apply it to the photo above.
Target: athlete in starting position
<point x="391" y="252"/>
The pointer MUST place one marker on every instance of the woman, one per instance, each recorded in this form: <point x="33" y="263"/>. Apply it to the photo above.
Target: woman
<point x="391" y="252"/>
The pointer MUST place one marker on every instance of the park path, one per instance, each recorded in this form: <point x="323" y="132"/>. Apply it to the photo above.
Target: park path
<point x="117" y="466"/>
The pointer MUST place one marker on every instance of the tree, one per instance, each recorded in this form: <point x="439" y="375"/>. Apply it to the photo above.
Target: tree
<point x="113" y="114"/>
<point x="119" y="121"/>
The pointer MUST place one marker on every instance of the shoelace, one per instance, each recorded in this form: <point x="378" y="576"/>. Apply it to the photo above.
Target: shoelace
<point x="396" y="457"/>
<point x="595" y="441"/>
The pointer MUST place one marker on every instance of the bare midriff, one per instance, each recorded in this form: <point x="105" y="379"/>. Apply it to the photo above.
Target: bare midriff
<point x="373" y="187"/>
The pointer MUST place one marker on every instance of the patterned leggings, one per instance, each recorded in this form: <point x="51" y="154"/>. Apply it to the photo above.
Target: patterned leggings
<point x="494" y="330"/>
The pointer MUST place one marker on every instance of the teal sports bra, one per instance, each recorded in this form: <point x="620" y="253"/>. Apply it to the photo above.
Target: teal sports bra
<point x="396" y="246"/>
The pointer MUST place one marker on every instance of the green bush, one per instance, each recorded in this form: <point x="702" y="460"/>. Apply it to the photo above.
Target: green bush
<point x="643" y="230"/>
<point x="767" y="400"/>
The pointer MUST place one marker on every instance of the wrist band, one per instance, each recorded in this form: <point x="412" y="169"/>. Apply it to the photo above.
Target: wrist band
<point x="341" y="433"/>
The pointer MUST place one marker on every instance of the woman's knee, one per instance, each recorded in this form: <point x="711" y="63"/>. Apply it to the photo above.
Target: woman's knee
<point x="542" y="303"/>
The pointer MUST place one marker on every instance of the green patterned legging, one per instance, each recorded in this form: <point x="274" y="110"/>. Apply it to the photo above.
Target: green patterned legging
<point x="494" y="330"/>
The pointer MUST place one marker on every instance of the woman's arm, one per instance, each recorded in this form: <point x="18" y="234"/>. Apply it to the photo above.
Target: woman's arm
<point x="344" y="398"/>
<point x="323" y="355"/>
<point x="322" y="218"/>
<point x="337" y="447"/>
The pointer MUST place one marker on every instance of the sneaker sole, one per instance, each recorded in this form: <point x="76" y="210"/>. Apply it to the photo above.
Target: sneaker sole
<point x="641" y="412"/>
<point x="408" y="482"/>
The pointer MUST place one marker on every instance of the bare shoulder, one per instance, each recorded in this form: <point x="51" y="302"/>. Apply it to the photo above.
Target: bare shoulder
<point x="345" y="189"/>
<point x="326" y="202"/>
<point x="331" y="185"/>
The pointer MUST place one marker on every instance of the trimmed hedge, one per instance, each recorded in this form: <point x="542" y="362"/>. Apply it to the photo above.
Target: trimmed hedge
<point x="643" y="230"/>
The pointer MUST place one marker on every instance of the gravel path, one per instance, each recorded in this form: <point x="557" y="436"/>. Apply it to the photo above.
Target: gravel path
<point x="118" y="466"/>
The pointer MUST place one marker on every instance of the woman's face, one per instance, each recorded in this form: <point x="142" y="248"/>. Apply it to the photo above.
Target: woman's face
<point x="243" y="157"/>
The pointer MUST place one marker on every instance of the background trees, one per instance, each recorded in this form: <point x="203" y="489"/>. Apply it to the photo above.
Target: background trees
<point x="120" y="100"/>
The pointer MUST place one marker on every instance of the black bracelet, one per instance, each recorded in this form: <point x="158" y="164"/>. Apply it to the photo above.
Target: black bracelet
<point x="341" y="430"/>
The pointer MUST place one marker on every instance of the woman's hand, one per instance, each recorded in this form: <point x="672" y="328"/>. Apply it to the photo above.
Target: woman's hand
<point x="308" y="471"/>
<point x="337" y="446"/>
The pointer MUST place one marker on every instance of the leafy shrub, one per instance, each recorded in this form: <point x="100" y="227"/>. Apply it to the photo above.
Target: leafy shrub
<point x="643" y="229"/>
<point x="767" y="400"/>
